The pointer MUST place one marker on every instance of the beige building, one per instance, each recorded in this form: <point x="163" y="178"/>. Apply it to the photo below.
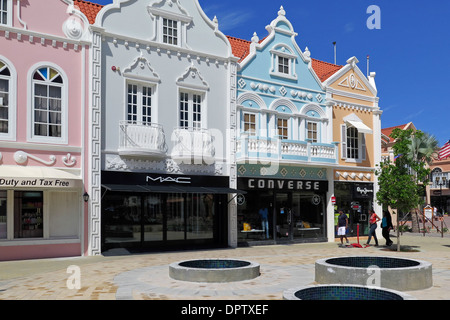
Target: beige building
<point x="357" y="129"/>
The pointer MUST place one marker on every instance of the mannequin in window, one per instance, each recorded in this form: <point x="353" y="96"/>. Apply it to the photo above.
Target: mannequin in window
<point x="264" y="213"/>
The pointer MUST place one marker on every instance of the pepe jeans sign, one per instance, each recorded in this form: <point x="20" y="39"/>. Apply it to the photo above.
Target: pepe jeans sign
<point x="282" y="184"/>
<point x="363" y="190"/>
<point x="36" y="183"/>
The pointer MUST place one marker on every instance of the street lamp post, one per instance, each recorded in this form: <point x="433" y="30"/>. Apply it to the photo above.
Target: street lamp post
<point x="441" y="182"/>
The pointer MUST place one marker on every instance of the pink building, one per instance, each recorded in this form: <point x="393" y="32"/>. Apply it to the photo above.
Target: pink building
<point x="44" y="84"/>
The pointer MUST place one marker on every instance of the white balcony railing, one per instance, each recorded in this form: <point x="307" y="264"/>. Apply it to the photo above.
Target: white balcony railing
<point x="252" y="147"/>
<point x="193" y="146"/>
<point x="142" y="139"/>
<point x="440" y="180"/>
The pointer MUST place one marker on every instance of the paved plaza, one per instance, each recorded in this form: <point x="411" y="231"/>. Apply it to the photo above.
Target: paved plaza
<point x="120" y="275"/>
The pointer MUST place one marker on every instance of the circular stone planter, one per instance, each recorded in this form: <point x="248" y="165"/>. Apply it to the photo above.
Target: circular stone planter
<point x="386" y="272"/>
<point x="343" y="292"/>
<point x="214" y="270"/>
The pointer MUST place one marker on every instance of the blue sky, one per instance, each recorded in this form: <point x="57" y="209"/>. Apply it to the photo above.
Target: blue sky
<point x="410" y="52"/>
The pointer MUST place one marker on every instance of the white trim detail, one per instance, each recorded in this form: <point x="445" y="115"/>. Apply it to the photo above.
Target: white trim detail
<point x="12" y="105"/>
<point x="192" y="79"/>
<point x="21" y="157"/>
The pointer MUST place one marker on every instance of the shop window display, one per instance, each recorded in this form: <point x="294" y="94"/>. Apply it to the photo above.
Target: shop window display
<point x="129" y="218"/>
<point x="28" y="214"/>
<point x="281" y="216"/>
<point x="3" y="204"/>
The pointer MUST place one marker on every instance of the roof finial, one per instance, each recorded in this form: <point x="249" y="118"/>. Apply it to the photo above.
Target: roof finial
<point x="307" y="53"/>
<point x="281" y="12"/>
<point x="255" y="37"/>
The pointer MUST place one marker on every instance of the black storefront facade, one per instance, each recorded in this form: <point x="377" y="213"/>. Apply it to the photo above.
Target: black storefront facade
<point x="355" y="200"/>
<point x="161" y="212"/>
<point x="282" y="210"/>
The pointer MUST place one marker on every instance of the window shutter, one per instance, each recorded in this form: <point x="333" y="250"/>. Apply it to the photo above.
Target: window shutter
<point x="343" y="141"/>
<point x="363" y="147"/>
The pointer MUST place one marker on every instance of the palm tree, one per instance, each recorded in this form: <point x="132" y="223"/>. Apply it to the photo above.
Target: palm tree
<point x="423" y="148"/>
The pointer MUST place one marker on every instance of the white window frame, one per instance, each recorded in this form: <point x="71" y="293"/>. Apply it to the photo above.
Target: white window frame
<point x="249" y="123"/>
<point x="287" y="128"/>
<point x="140" y="117"/>
<point x="31" y="136"/>
<point x="191" y="105"/>
<point x="361" y="149"/>
<point x="9" y="4"/>
<point x="12" y="96"/>
<point x="317" y="131"/>
<point x="353" y="143"/>
<point x="283" y="51"/>
<point x="181" y="20"/>
<point x="174" y="26"/>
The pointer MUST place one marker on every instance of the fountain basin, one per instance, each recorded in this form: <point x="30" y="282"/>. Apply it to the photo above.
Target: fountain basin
<point x="386" y="272"/>
<point x="343" y="292"/>
<point x="214" y="270"/>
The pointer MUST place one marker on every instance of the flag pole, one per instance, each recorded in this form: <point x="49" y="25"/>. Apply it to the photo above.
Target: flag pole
<point x="368" y="58"/>
<point x="334" y="44"/>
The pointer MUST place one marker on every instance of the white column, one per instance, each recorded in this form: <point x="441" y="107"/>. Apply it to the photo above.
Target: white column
<point x="295" y="131"/>
<point x="330" y="206"/>
<point x="377" y="159"/>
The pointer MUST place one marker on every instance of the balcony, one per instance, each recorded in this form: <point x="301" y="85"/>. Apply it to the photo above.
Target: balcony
<point x="440" y="180"/>
<point x="262" y="148"/>
<point x="141" y="139"/>
<point x="193" y="146"/>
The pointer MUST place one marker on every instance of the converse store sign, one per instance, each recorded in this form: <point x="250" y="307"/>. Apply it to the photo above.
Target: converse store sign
<point x="282" y="184"/>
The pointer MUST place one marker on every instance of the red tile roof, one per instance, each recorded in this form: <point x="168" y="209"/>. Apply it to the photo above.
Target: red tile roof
<point x="89" y="9"/>
<point x="388" y="131"/>
<point x="241" y="49"/>
<point x="324" y="70"/>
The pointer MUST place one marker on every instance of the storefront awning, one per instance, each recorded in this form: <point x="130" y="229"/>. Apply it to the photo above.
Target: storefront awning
<point x="37" y="177"/>
<point x="362" y="128"/>
<point x="169" y="189"/>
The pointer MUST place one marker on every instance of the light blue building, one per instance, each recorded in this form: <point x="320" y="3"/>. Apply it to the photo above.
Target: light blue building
<point x="285" y="148"/>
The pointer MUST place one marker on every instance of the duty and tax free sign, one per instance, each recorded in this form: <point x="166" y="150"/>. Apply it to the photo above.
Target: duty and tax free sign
<point x="37" y="183"/>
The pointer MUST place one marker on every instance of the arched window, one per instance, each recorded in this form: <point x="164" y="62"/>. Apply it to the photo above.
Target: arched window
<point x="48" y="103"/>
<point x="5" y="92"/>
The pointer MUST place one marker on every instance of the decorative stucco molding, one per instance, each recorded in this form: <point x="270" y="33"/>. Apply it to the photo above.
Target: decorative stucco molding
<point x="21" y="157"/>
<point x="192" y="79"/>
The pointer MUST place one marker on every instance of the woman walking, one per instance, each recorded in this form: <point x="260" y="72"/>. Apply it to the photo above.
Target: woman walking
<point x="374" y="218"/>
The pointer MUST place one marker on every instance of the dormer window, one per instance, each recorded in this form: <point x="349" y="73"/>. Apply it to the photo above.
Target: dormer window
<point x="283" y="62"/>
<point x="169" y="23"/>
<point x="170" y="31"/>
<point x="283" y="65"/>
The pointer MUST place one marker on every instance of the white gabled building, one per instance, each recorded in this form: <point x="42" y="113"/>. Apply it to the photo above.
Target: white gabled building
<point x="162" y="101"/>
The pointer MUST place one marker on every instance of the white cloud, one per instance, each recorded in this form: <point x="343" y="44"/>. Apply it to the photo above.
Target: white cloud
<point x="229" y="19"/>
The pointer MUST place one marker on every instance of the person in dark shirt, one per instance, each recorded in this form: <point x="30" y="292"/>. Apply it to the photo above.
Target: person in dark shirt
<point x="386" y="225"/>
<point x="342" y="226"/>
